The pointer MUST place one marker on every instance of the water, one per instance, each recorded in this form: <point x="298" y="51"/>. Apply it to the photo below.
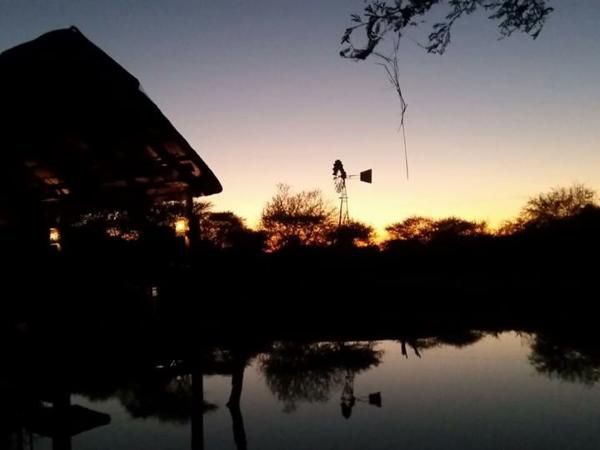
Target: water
<point x="481" y="395"/>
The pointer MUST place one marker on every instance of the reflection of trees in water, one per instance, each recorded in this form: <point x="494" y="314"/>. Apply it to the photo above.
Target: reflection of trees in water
<point x="166" y="394"/>
<point x="165" y="389"/>
<point x="566" y="358"/>
<point x="457" y="338"/>
<point x="169" y="400"/>
<point x="460" y="338"/>
<point x="99" y="385"/>
<point x="308" y="372"/>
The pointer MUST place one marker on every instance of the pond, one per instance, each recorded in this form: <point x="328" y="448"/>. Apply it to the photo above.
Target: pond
<point x="472" y="391"/>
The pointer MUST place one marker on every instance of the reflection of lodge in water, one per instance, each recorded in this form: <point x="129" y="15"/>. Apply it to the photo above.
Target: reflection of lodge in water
<point x="171" y="390"/>
<point x="42" y="409"/>
<point x="29" y="412"/>
<point x="79" y="137"/>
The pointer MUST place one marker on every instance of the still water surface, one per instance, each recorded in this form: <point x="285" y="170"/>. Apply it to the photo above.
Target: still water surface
<point x="485" y="395"/>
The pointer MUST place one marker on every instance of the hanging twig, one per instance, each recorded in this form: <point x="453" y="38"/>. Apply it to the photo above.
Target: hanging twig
<point x="390" y="64"/>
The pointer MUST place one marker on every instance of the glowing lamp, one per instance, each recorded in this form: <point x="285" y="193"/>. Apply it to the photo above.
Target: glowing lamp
<point x="54" y="236"/>
<point x="182" y="226"/>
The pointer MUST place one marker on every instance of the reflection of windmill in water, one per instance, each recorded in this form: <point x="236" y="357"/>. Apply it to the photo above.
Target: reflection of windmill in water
<point x="309" y="372"/>
<point x="339" y="179"/>
<point x="348" y="400"/>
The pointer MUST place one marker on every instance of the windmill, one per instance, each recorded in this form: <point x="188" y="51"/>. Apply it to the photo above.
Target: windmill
<point x="339" y="180"/>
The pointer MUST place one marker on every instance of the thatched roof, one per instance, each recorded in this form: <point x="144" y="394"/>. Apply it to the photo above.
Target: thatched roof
<point x="77" y="129"/>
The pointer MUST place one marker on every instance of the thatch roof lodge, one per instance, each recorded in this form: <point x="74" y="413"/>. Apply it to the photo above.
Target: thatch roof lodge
<point x="79" y="133"/>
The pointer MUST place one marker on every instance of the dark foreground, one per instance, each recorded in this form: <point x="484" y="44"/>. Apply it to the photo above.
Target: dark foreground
<point x="297" y="351"/>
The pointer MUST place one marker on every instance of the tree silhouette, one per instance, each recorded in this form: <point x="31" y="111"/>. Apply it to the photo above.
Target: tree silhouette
<point x="107" y="223"/>
<point x="511" y="227"/>
<point x="559" y="203"/>
<point x="226" y="230"/>
<point x="218" y="227"/>
<point x="352" y="234"/>
<point x="424" y="229"/>
<point x="454" y="227"/>
<point x="303" y="218"/>
<point x="381" y="17"/>
<point x="164" y="213"/>
<point x="415" y="228"/>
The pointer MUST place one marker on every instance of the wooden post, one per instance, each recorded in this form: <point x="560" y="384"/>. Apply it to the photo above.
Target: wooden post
<point x="237" y="420"/>
<point x="197" y="407"/>
<point x="61" y="405"/>
<point x="193" y="224"/>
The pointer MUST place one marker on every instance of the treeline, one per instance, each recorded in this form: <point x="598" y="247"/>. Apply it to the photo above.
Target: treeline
<point x="547" y="251"/>
<point x="304" y="268"/>
<point x="553" y="227"/>
<point x="305" y="219"/>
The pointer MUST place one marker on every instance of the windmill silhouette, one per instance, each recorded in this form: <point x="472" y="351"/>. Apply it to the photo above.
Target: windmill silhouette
<point x="339" y="180"/>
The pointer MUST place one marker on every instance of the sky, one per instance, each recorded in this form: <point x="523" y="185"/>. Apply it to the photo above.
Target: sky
<point x="258" y="89"/>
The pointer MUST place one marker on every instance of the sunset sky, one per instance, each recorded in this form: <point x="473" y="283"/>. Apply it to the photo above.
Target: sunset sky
<point x="258" y="89"/>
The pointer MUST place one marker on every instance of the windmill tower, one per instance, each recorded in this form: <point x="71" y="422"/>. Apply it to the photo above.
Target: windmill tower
<point x="339" y="180"/>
